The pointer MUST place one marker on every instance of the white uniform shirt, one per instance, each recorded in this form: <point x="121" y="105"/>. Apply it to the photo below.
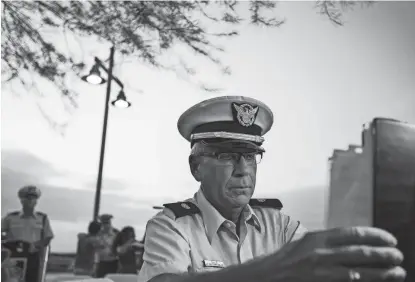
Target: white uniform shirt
<point x="206" y="241"/>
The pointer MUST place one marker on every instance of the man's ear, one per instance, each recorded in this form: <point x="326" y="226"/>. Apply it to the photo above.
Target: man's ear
<point x="194" y="167"/>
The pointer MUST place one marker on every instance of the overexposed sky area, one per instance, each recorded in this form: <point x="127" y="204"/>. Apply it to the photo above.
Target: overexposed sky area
<point x="321" y="81"/>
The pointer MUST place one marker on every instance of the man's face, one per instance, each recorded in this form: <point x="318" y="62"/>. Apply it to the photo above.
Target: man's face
<point x="130" y="234"/>
<point x="28" y="202"/>
<point x="106" y="225"/>
<point x="227" y="183"/>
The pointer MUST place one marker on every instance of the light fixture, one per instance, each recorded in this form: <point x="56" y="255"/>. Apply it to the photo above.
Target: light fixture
<point x="121" y="101"/>
<point x="94" y="76"/>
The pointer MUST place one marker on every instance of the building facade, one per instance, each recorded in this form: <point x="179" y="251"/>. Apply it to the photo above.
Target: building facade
<point x="350" y="193"/>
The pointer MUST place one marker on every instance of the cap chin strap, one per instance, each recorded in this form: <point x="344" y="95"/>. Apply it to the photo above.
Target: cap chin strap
<point x="228" y="135"/>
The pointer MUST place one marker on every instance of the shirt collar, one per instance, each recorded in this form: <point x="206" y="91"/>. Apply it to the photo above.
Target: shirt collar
<point x="213" y="219"/>
<point x="252" y="218"/>
<point x="21" y="214"/>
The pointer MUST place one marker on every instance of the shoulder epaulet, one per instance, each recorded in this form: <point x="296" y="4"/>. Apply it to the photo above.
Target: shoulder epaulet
<point x="181" y="209"/>
<point x="13" y="213"/>
<point x="41" y="213"/>
<point x="267" y="203"/>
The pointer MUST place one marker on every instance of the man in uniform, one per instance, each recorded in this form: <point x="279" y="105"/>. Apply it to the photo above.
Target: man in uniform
<point x="29" y="226"/>
<point x="107" y="261"/>
<point x="221" y="234"/>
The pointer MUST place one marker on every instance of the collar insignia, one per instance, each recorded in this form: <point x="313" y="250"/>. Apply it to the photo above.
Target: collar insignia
<point x="245" y="114"/>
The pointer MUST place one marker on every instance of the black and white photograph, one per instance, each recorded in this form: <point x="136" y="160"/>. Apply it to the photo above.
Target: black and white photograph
<point x="184" y="141"/>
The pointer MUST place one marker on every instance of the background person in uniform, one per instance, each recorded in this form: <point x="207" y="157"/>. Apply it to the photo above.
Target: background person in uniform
<point x="29" y="226"/>
<point x="107" y="261"/>
<point x="221" y="226"/>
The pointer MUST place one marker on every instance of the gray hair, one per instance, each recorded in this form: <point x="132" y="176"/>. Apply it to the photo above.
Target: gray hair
<point x="199" y="147"/>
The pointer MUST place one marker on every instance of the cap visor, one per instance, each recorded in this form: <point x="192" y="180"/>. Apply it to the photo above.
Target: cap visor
<point x="239" y="146"/>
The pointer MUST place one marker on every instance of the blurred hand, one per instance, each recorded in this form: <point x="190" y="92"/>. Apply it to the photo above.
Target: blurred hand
<point x="32" y="248"/>
<point x="35" y="247"/>
<point x="342" y="254"/>
<point x="137" y="245"/>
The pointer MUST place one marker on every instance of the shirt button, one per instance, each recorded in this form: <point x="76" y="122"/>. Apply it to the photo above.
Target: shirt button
<point x="228" y="224"/>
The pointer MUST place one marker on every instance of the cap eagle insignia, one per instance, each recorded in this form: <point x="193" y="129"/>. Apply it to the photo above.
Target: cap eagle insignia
<point x="245" y="114"/>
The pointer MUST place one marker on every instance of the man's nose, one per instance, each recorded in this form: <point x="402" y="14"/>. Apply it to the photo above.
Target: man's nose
<point x="241" y="167"/>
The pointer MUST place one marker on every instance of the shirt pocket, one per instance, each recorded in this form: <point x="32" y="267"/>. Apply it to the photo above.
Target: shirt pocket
<point x="36" y="228"/>
<point x="16" y="224"/>
<point x="206" y="269"/>
<point x="36" y="225"/>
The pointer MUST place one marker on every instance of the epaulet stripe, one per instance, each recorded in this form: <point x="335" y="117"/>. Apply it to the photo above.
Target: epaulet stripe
<point x="267" y="203"/>
<point x="181" y="209"/>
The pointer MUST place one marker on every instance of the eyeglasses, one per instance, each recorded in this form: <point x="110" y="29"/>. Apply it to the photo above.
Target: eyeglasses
<point x="250" y="158"/>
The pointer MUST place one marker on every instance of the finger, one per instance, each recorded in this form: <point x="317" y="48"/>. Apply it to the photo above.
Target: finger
<point x="360" y="256"/>
<point x="359" y="236"/>
<point x="393" y="274"/>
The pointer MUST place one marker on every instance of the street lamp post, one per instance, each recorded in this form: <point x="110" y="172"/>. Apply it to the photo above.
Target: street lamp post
<point x="94" y="77"/>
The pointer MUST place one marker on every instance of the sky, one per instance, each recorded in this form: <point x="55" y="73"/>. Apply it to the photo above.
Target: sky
<point x="322" y="82"/>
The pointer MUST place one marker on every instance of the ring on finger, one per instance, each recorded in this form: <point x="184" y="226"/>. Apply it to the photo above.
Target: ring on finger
<point x="354" y="275"/>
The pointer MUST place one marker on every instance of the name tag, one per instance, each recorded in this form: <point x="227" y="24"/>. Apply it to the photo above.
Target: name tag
<point x="213" y="263"/>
